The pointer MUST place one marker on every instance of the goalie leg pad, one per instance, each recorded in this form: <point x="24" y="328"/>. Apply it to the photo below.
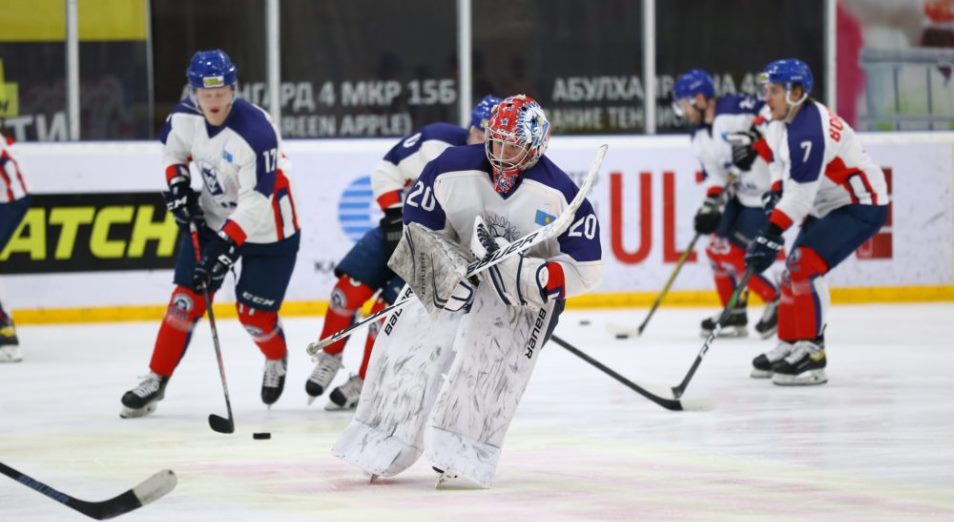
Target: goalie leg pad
<point x="497" y="348"/>
<point x="401" y="384"/>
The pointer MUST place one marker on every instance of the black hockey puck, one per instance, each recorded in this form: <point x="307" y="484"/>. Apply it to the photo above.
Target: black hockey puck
<point x="584" y="322"/>
<point x="263" y="435"/>
<point x="622" y="336"/>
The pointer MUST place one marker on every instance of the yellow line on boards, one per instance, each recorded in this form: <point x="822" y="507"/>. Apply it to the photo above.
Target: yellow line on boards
<point x="900" y="294"/>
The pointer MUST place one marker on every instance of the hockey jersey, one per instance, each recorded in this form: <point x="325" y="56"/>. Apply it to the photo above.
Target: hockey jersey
<point x="246" y="182"/>
<point x="404" y="162"/>
<point x="821" y="165"/>
<point x="457" y="187"/>
<point x="733" y="113"/>
<point x="12" y="186"/>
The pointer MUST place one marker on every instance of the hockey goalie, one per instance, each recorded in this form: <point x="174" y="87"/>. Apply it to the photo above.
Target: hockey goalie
<point x="449" y="369"/>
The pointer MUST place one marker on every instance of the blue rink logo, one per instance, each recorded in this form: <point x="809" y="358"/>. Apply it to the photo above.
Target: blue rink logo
<point x="358" y="212"/>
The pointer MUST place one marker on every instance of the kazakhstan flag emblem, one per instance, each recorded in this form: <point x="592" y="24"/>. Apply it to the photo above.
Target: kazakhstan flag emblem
<point x="543" y="218"/>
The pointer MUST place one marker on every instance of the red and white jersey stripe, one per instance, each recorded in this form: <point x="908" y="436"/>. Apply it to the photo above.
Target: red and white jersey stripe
<point x="12" y="185"/>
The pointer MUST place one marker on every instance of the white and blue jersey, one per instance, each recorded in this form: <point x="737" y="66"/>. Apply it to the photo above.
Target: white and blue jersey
<point x="458" y="186"/>
<point x="246" y="179"/>
<point x="733" y="113"/>
<point x="822" y="166"/>
<point x="404" y="162"/>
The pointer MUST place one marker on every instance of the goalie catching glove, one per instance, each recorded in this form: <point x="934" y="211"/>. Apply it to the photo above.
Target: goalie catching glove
<point x="518" y="280"/>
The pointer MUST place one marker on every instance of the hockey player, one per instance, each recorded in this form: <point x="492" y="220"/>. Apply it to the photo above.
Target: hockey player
<point x="732" y="210"/>
<point x="364" y="270"/>
<point x="823" y="179"/>
<point x="449" y="386"/>
<point x="244" y="209"/>
<point x="14" y="202"/>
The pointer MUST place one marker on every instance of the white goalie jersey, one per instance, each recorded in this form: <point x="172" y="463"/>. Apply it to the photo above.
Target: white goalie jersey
<point x="457" y="187"/>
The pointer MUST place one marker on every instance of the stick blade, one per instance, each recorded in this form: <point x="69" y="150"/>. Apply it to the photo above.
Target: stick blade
<point x="221" y="424"/>
<point x="156" y="486"/>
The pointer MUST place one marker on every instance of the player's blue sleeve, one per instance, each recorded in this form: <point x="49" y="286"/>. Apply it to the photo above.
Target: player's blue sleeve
<point x="806" y="145"/>
<point x="420" y="203"/>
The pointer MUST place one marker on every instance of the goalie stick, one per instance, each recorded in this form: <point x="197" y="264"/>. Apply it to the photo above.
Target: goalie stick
<point x="149" y="490"/>
<point x="677" y="391"/>
<point x="551" y="230"/>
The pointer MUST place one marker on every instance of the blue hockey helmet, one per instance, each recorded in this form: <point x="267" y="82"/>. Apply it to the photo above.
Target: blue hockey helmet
<point x="788" y="72"/>
<point x="481" y="113"/>
<point x="693" y="82"/>
<point x="211" y="69"/>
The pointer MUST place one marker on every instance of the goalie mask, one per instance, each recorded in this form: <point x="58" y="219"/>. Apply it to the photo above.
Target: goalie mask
<point x="517" y="136"/>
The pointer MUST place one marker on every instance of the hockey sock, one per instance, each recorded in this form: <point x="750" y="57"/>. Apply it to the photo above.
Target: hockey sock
<point x="346" y="298"/>
<point x="373" y="330"/>
<point x="810" y="296"/>
<point x="734" y="262"/>
<point x="786" y="310"/>
<point x="185" y="309"/>
<point x="725" y="284"/>
<point x="265" y="329"/>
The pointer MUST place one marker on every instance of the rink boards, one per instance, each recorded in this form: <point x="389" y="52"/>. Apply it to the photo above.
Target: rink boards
<point x="97" y="244"/>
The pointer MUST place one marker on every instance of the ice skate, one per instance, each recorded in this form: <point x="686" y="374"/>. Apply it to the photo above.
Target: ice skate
<point x="345" y="397"/>
<point x="10" y="353"/>
<point x="768" y="324"/>
<point x="734" y="326"/>
<point x="8" y="333"/>
<point x="762" y="365"/>
<point x="324" y="372"/>
<point x="273" y="380"/>
<point x="444" y="478"/>
<point x="804" y="366"/>
<point x="141" y="400"/>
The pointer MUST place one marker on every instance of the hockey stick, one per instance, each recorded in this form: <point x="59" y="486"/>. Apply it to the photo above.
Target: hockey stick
<point x="551" y="230"/>
<point x="622" y="332"/>
<point x="216" y="422"/>
<point x="149" y="490"/>
<point x="677" y="391"/>
<point x="665" y="402"/>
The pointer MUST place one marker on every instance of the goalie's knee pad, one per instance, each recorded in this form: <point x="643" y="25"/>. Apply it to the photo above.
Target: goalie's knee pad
<point x="265" y="329"/>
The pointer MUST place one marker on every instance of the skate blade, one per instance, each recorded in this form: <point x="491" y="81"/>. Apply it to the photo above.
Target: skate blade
<point x="335" y="407"/>
<point x="10" y="354"/>
<point x="729" y="332"/>
<point x="761" y="374"/>
<point x="768" y="333"/>
<point x="809" y="378"/>
<point x="132" y="413"/>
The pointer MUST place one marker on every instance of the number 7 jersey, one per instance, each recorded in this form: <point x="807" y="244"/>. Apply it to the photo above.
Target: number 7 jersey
<point x="822" y="166"/>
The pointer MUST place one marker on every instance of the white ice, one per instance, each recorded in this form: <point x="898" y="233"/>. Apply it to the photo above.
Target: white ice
<point x="874" y="444"/>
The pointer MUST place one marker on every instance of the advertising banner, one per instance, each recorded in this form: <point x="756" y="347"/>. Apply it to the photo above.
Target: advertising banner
<point x="97" y="235"/>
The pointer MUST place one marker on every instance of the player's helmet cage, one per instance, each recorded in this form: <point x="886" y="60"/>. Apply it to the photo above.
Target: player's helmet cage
<point x="517" y="136"/>
<point x="481" y="113"/>
<point x="788" y="73"/>
<point x="211" y="69"/>
<point x="688" y="85"/>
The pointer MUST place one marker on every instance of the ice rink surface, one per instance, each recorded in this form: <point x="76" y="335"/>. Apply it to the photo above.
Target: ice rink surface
<point x="875" y="443"/>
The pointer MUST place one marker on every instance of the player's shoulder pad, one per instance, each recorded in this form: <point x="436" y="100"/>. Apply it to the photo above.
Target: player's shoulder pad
<point x="410" y="144"/>
<point x="252" y="124"/>
<point x="737" y="104"/>
<point x="456" y="159"/>
<point x="548" y="173"/>
<point x="185" y="107"/>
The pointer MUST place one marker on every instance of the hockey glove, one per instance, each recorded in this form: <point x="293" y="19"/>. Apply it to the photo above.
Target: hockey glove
<point x="392" y="226"/>
<point x="183" y="202"/>
<point x="770" y="199"/>
<point x="764" y="249"/>
<point x="218" y="257"/>
<point x="518" y="280"/>
<point x="708" y="216"/>
<point x="743" y="148"/>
